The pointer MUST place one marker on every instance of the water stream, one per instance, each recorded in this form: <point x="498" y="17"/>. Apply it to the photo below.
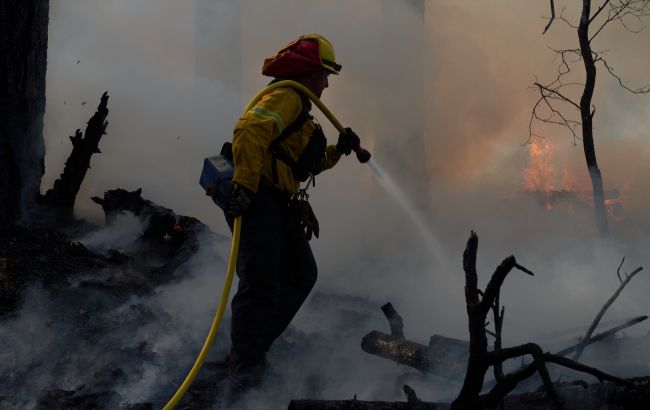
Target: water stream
<point x="414" y="215"/>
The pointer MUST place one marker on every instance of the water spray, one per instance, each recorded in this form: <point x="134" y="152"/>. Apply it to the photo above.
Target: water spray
<point x="414" y="215"/>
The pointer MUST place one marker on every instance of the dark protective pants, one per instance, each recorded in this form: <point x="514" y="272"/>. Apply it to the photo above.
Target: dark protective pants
<point x="276" y="270"/>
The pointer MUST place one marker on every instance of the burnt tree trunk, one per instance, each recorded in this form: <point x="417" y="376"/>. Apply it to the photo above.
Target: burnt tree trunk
<point x="586" y="115"/>
<point x="64" y="193"/>
<point x="23" y="61"/>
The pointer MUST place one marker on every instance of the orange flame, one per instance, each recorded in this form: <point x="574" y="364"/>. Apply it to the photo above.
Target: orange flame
<point x="539" y="173"/>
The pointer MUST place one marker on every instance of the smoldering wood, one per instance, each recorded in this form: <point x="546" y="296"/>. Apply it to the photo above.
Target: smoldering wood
<point x="444" y="356"/>
<point x="64" y="192"/>
<point x="30" y="255"/>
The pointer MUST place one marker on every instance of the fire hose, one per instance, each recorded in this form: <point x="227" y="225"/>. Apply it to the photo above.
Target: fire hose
<point x="362" y="155"/>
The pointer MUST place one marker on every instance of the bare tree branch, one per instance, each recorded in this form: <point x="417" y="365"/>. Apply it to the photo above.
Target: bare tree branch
<point x="598" y="11"/>
<point x="641" y="90"/>
<point x="556" y="93"/>
<point x="611" y="300"/>
<point x="571" y="364"/>
<point x="550" y="21"/>
<point x="600" y="336"/>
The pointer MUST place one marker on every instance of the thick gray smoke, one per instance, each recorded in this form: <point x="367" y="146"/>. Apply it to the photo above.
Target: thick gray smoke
<point x="442" y="99"/>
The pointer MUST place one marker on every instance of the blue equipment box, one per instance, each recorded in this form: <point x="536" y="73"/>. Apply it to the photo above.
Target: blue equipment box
<point x="216" y="179"/>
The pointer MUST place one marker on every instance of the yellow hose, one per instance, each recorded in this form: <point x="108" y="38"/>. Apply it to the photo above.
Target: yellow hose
<point x="234" y="250"/>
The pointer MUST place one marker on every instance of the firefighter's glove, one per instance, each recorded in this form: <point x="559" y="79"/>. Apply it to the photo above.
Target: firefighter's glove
<point x="239" y="202"/>
<point x="348" y="140"/>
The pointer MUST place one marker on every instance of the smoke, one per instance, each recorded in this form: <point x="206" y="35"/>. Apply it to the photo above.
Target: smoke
<point x="120" y="235"/>
<point x="443" y="102"/>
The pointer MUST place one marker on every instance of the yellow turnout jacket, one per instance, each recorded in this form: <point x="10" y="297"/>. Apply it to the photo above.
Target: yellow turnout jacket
<point x="262" y="124"/>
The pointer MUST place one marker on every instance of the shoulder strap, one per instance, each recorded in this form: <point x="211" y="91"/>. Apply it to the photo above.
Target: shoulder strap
<point x="297" y="124"/>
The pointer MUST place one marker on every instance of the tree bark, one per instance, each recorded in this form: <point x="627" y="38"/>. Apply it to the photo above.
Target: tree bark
<point x="587" y="120"/>
<point x="23" y="62"/>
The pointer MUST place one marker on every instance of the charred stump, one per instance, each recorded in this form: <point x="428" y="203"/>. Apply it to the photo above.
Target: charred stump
<point x="64" y="192"/>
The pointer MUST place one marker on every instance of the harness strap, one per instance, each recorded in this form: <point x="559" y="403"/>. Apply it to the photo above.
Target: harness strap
<point x="274" y="147"/>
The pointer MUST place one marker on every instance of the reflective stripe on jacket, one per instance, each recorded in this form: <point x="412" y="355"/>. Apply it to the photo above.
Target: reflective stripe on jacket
<point x="262" y="124"/>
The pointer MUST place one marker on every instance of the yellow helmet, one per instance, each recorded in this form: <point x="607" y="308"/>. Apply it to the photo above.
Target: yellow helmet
<point x="304" y="54"/>
<point x="325" y="51"/>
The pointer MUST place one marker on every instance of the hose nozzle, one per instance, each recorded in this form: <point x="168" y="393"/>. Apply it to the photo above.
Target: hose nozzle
<point x="363" y="155"/>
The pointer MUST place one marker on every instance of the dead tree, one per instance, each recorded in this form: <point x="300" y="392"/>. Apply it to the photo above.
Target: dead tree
<point x="479" y="303"/>
<point x="23" y="62"/>
<point x="62" y="196"/>
<point x="557" y="98"/>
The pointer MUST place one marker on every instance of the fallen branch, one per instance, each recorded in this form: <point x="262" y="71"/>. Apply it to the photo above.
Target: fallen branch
<point x="601" y="336"/>
<point x="611" y="300"/>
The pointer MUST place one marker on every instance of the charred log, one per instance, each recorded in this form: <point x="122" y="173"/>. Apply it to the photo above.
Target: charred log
<point x="444" y="356"/>
<point x="62" y="196"/>
<point x="164" y="230"/>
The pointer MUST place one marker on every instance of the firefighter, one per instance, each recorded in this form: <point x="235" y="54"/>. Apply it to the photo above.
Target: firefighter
<point x="276" y="146"/>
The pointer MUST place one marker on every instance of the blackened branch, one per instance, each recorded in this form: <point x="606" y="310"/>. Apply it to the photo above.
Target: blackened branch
<point x="469" y="266"/>
<point x="66" y="188"/>
<point x="641" y="90"/>
<point x="494" y="285"/>
<point x="600" y="336"/>
<point x="571" y="364"/>
<point x="394" y="320"/>
<point x="550" y="21"/>
<point x="523" y="269"/>
<point x="606" y="306"/>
